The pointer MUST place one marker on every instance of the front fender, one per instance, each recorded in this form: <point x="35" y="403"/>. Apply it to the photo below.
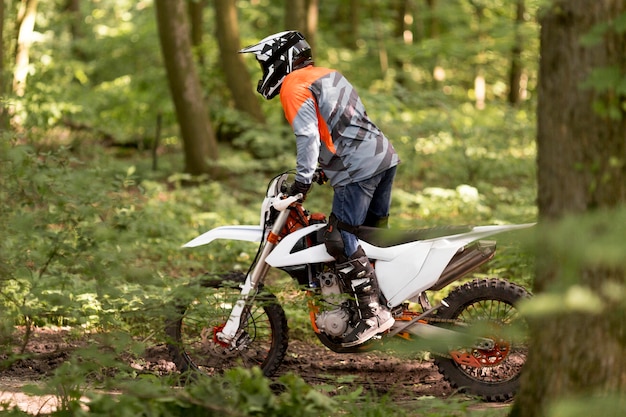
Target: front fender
<point x="246" y="233"/>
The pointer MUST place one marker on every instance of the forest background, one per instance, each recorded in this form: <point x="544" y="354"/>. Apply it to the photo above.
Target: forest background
<point x="97" y="167"/>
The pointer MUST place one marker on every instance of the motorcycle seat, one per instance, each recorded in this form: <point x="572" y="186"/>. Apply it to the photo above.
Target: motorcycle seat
<point x="389" y="237"/>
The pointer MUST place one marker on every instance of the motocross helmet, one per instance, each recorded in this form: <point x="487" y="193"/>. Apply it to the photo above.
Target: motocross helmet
<point x="279" y="54"/>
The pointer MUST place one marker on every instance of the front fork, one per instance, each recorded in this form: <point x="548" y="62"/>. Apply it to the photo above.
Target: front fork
<point x="232" y="330"/>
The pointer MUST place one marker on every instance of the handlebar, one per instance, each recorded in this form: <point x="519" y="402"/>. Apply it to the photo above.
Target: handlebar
<point x="281" y="203"/>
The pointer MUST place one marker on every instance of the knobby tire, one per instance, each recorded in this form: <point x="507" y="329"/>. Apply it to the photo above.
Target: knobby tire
<point x="191" y="342"/>
<point x="481" y="302"/>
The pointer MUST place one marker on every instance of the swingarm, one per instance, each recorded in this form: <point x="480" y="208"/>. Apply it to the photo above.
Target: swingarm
<point x="419" y="327"/>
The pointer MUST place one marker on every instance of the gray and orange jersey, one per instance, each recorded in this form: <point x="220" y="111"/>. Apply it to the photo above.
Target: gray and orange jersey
<point x="332" y="128"/>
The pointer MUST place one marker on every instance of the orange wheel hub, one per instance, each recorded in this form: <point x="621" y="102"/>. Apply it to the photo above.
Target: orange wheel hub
<point x="478" y="358"/>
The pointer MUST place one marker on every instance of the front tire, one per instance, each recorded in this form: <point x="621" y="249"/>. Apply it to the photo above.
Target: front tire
<point x="490" y="304"/>
<point x="193" y="346"/>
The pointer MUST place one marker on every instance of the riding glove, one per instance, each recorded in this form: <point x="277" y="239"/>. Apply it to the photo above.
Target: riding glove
<point x="299" y="187"/>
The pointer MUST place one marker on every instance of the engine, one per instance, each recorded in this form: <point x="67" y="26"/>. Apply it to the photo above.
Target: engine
<point x="334" y="321"/>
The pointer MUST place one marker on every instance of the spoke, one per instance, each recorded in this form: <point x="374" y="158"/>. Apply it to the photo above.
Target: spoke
<point x="198" y="327"/>
<point x="507" y="362"/>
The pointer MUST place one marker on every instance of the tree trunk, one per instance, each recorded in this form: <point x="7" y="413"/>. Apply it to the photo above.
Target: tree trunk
<point x="581" y="169"/>
<point x="403" y="28"/>
<point x="355" y="22"/>
<point x="235" y="71"/>
<point x="295" y="15"/>
<point x="515" y="73"/>
<point x="312" y="17"/>
<point x="198" y="137"/>
<point x="26" y="27"/>
<point x="302" y="15"/>
<point x="379" y="33"/>
<point x="576" y="144"/>
<point x="72" y="8"/>
<point x="4" y="117"/>
<point x="348" y="14"/>
<point x="433" y="21"/>
<point x="195" y="10"/>
<point x="480" y="84"/>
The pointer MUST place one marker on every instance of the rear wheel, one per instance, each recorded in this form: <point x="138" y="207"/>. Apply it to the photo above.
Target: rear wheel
<point x="192" y="340"/>
<point x="488" y="305"/>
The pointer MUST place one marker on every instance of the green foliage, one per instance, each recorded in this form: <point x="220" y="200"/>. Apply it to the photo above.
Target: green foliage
<point x="592" y="241"/>
<point x="612" y="405"/>
<point x="238" y="393"/>
<point x="110" y="80"/>
<point x="92" y="235"/>
<point x="609" y="82"/>
<point x="76" y="249"/>
<point x="94" y="240"/>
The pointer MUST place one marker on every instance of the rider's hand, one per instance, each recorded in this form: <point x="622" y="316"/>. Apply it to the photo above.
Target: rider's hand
<point x="320" y="176"/>
<point x="298" y="187"/>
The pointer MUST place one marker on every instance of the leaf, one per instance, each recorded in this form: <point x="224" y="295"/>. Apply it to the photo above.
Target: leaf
<point x="595" y="35"/>
<point x="619" y="24"/>
<point x="604" y="79"/>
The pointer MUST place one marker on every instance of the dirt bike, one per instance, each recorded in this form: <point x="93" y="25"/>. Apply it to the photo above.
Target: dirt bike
<point x="232" y="320"/>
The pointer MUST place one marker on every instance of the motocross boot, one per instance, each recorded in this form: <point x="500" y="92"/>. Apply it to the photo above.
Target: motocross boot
<point x="375" y="318"/>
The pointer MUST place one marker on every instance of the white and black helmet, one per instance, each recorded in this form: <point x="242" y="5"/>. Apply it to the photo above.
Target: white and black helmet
<point x="279" y="54"/>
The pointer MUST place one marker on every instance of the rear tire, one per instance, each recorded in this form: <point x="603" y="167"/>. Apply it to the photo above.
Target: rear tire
<point x="191" y="342"/>
<point x="490" y="303"/>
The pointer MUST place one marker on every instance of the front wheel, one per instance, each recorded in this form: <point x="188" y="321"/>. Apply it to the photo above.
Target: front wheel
<point x="192" y="341"/>
<point x="489" y="307"/>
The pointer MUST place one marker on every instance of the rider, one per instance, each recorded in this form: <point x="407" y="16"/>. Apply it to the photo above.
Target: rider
<point x="333" y="130"/>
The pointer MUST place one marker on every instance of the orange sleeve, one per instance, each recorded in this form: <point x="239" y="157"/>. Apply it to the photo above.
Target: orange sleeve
<point x="295" y="94"/>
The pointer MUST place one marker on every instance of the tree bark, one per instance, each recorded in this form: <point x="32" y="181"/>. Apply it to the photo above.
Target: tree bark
<point x="403" y="27"/>
<point x="26" y="27"/>
<point x="195" y="10"/>
<point x="198" y="136"/>
<point x="355" y="22"/>
<point x="515" y="73"/>
<point x="348" y="14"/>
<point x="576" y="144"/>
<point x="72" y="7"/>
<point x="4" y="117"/>
<point x="235" y="71"/>
<point x="312" y="17"/>
<point x="302" y="15"/>
<point x="434" y="28"/>
<point x="480" y="84"/>
<point x="295" y="15"/>
<point x="581" y="169"/>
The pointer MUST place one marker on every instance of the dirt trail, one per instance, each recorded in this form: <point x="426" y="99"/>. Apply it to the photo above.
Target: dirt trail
<point x="403" y="380"/>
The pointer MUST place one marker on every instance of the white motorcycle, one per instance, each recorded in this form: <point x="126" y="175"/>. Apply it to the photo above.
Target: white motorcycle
<point x="231" y="319"/>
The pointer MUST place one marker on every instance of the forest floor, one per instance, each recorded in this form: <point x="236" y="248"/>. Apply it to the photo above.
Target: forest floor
<point x="401" y="379"/>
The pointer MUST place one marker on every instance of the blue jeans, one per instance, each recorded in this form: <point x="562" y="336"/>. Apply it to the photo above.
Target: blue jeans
<point x="363" y="203"/>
